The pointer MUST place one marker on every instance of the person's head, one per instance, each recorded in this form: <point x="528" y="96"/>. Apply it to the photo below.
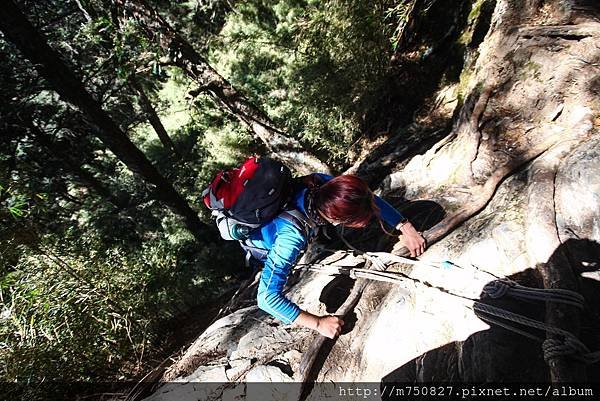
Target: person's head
<point x="346" y="200"/>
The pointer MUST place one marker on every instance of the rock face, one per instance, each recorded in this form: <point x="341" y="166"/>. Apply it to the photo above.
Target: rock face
<point x="529" y="131"/>
<point x="578" y="193"/>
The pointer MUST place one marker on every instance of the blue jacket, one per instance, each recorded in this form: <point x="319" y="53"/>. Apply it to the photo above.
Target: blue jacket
<point x="284" y="243"/>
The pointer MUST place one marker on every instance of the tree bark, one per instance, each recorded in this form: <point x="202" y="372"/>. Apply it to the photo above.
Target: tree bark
<point x="34" y="46"/>
<point x="76" y="168"/>
<point x="184" y="56"/>
<point x="154" y="119"/>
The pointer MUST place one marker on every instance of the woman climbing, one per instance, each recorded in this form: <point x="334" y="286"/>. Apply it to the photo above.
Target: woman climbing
<point x="319" y="200"/>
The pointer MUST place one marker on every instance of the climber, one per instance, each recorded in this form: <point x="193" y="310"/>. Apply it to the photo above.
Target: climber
<point x="345" y="200"/>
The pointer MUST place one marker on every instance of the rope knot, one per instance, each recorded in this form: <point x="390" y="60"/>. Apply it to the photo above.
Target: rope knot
<point x="497" y="288"/>
<point x="565" y="345"/>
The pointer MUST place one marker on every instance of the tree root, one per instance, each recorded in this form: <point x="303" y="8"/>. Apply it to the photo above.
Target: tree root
<point x="567" y="32"/>
<point x="473" y="127"/>
<point x="482" y="194"/>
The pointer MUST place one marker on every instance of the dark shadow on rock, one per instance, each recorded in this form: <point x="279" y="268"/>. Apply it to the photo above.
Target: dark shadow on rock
<point x="482" y="24"/>
<point x="335" y="292"/>
<point x="423" y="214"/>
<point x="333" y="296"/>
<point x="584" y="255"/>
<point x="283" y="366"/>
<point x="590" y="323"/>
<point x="501" y="355"/>
<point x="588" y="8"/>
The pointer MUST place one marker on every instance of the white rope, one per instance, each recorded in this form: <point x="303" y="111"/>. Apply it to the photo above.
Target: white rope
<point x="377" y="264"/>
<point x="570" y="345"/>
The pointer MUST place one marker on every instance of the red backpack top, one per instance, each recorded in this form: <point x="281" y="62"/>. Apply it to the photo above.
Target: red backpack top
<point x="253" y="193"/>
<point x="246" y="197"/>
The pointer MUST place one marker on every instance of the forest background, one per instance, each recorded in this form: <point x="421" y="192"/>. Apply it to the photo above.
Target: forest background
<point x="115" y="116"/>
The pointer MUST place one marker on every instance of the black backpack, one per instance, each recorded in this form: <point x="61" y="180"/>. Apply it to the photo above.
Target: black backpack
<point x="244" y="198"/>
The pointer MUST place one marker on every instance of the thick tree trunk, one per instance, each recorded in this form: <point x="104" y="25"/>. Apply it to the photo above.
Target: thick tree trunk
<point x="154" y="120"/>
<point x="33" y="45"/>
<point x="184" y="56"/>
<point x="86" y="177"/>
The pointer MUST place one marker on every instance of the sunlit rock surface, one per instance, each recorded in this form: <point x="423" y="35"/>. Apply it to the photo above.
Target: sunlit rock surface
<point x="424" y="328"/>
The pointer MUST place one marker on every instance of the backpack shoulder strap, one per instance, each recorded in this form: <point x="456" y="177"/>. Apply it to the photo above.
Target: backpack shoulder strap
<point x="300" y="221"/>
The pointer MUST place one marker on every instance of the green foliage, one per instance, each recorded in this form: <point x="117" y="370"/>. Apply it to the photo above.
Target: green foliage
<point x="116" y="44"/>
<point x="209" y="139"/>
<point x="94" y="267"/>
<point x="18" y="204"/>
<point x="399" y="15"/>
<point x="77" y="310"/>
<point x="313" y="66"/>
<point x="46" y="311"/>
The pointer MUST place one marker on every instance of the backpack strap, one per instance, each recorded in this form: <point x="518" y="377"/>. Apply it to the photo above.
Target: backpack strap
<point x="252" y="251"/>
<point x="211" y="200"/>
<point x="300" y="221"/>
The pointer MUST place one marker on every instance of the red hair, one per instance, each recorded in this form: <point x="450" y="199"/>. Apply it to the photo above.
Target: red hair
<point x="348" y="200"/>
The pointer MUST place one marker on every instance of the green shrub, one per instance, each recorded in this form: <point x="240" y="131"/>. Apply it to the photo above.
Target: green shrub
<point x="313" y="66"/>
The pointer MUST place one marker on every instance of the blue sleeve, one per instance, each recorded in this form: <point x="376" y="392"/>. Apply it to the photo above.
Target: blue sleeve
<point x="389" y="214"/>
<point x="280" y="259"/>
<point x="324" y="177"/>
